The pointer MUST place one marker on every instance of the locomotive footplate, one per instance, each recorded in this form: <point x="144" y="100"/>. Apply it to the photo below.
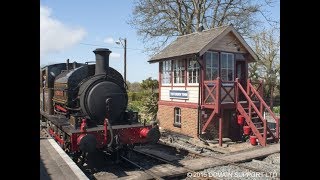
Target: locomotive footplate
<point x="58" y="121"/>
<point x="71" y="130"/>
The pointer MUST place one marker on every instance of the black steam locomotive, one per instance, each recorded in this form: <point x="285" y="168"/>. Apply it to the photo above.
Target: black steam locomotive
<point x="84" y="107"/>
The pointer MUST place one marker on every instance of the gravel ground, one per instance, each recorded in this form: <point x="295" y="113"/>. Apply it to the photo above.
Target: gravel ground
<point x="200" y="150"/>
<point x="264" y="166"/>
<point x="181" y="154"/>
<point x="231" y="172"/>
<point x="243" y="146"/>
<point x="44" y="133"/>
<point x="189" y="146"/>
<point x="273" y="159"/>
<point x="114" y="172"/>
<point x="211" y="149"/>
<point x="270" y="167"/>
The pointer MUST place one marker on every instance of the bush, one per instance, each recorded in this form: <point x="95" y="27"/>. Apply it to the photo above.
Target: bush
<point x="276" y="109"/>
<point x="149" y="107"/>
<point x="135" y="96"/>
<point x="135" y="105"/>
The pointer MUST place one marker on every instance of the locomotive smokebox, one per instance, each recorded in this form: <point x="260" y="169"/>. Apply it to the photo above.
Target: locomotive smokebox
<point x="94" y="92"/>
<point x="102" y="60"/>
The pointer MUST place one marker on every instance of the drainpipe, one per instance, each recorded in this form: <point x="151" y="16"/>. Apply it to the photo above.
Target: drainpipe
<point x="199" y="101"/>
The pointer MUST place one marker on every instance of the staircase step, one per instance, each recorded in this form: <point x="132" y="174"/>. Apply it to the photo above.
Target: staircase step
<point x="252" y="112"/>
<point x="268" y="134"/>
<point x="242" y="102"/>
<point x="258" y="123"/>
<point x="260" y="129"/>
<point x="270" y="139"/>
<point x="255" y="118"/>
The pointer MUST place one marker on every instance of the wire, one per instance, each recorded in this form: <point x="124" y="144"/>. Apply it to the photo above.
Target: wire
<point x="88" y="44"/>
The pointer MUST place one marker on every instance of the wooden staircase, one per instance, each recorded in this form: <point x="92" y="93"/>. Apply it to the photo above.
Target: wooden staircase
<point x="249" y="103"/>
<point x="254" y="115"/>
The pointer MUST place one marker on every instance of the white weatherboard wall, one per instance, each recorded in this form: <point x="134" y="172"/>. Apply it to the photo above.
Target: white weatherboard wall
<point x="164" y="96"/>
<point x="193" y="93"/>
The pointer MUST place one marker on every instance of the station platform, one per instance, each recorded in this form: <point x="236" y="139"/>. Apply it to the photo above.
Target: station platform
<point x="55" y="164"/>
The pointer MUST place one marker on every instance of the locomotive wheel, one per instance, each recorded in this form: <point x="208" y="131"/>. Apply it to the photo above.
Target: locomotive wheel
<point x="48" y="130"/>
<point x="67" y="147"/>
<point x="76" y="157"/>
<point x="83" y="158"/>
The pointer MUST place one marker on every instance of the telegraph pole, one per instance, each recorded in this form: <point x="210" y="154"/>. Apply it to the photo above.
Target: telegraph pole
<point x="125" y="60"/>
<point x="123" y="42"/>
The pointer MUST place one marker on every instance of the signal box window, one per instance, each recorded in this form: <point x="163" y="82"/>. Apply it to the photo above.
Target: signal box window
<point x="177" y="117"/>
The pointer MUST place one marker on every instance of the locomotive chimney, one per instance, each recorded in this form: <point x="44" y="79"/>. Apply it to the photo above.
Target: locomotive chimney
<point x="102" y="60"/>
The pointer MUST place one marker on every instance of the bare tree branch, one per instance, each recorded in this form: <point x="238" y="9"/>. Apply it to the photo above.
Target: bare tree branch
<point x="267" y="45"/>
<point x="161" y="20"/>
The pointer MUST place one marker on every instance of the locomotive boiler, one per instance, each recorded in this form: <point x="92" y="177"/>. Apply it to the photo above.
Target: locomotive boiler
<point x="84" y="107"/>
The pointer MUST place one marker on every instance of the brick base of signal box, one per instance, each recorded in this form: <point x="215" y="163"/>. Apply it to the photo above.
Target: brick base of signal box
<point x="189" y="119"/>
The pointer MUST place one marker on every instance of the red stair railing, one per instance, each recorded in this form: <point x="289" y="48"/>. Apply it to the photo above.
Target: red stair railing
<point x="248" y="119"/>
<point x="264" y="105"/>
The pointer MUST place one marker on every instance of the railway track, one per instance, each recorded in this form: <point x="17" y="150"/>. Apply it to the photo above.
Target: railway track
<point x="142" y="168"/>
<point x="169" y="165"/>
<point x="147" y="163"/>
<point x="191" y="171"/>
<point x="225" y="162"/>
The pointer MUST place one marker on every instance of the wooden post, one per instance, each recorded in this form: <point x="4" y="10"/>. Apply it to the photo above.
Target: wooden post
<point x="261" y="94"/>
<point x="218" y="95"/>
<point x="277" y="129"/>
<point x="43" y="99"/>
<point x="236" y="94"/>
<point x="159" y="80"/>
<point x="220" y="128"/>
<point x="264" y="133"/>
<point x="249" y="111"/>
<point x="261" y="88"/>
<point x="248" y="87"/>
<point x="202" y="79"/>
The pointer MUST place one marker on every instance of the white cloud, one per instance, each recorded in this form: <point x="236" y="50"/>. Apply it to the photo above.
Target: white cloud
<point x="56" y="36"/>
<point x="115" y="55"/>
<point x="109" y="40"/>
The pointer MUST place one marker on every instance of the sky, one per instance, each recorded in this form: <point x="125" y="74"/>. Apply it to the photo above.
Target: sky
<point x="73" y="29"/>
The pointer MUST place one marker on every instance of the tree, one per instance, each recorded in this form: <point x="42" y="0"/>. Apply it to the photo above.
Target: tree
<point x="150" y="107"/>
<point x="146" y="101"/>
<point x="150" y="84"/>
<point x="266" y="44"/>
<point x="157" y="21"/>
<point x="134" y="87"/>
